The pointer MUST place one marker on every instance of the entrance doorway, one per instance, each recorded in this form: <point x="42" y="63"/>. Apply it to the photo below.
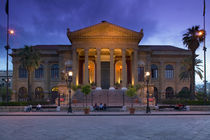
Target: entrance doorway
<point x="105" y="75"/>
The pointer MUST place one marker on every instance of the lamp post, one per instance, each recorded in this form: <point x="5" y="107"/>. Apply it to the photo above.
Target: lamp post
<point x="202" y="34"/>
<point x="147" y="75"/>
<point x="69" y="80"/>
<point x="7" y="47"/>
<point x="67" y="75"/>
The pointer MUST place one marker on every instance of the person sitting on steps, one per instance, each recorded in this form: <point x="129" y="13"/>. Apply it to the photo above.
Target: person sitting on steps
<point x="96" y="107"/>
<point x="101" y="106"/>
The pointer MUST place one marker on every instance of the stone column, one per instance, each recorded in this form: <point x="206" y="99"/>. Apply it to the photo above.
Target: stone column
<point x="135" y="67"/>
<point x="111" y="69"/>
<point x="124" y="70"/>
<point x="86" y="67"/>
<point x="98" y="68"/>
<point x="74" y="65"/>
<point x="161" y="79"/>
<point x="47" y="83"/>
<point x="176" y="77"/>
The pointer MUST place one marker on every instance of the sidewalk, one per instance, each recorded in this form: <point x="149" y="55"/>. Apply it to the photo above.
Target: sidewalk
<point x="153" y="113"/>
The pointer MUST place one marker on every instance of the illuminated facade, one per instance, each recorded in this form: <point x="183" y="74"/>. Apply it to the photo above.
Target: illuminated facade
<point x="105" y="55"/>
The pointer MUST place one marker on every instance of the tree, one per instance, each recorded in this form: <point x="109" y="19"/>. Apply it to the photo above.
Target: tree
<point x="3" y="93"/>
<point x="86" y="90"/>
<point x="131" y="92"/>
<point x="187" y="71"/>
<point x="192" y="40"/>
<point x="30" y="60"/>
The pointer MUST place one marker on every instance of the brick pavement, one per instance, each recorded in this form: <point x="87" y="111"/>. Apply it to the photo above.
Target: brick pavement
<point x="105" y="127"/>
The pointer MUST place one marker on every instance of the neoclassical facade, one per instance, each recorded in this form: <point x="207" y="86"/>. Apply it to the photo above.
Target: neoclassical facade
<point x="104" y="55"/>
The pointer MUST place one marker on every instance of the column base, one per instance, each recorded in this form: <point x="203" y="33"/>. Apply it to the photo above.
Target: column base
<point x="111" y="88"/>
<point x="124" y="88"/>
<point x="98" y="88"/>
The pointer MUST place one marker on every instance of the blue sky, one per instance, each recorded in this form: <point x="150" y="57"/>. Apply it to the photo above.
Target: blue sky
<point x="45" y="21"/>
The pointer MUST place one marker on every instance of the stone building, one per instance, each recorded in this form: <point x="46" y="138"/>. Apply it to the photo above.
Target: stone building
<point x="104" y="54"/>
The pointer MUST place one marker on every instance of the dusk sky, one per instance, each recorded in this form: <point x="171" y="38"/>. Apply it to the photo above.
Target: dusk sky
<point x="45" y="21"/>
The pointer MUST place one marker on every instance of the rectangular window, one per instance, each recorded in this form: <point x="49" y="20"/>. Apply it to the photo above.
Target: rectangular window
<point x="169" y="74"/>
<point x="154" y="73"/>
<point x="140" y="74"/>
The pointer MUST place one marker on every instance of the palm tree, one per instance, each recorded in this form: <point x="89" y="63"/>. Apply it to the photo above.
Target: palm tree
<point x="186" y="72"/>
<point x="192" y="41"/>
<point x="30" y="60"/>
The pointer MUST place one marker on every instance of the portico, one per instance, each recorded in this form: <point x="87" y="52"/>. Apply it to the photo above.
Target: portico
<point x="104" y="54"/>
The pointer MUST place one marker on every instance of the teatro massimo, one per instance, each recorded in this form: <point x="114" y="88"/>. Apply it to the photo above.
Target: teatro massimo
<point x="110" y="58"/>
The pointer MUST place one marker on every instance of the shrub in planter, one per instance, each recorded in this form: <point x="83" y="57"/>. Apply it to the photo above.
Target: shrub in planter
<point x="76" y="87"/>
<point x="131" y="92"/>
<point x="86" y="89"/>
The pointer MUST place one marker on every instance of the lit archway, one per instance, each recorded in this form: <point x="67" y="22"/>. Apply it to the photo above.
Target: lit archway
<point x="91" y="72"/>
<point x="118" y="72"/>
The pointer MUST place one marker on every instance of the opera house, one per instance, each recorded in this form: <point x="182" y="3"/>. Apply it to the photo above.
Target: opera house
<point x="107" y="56"/>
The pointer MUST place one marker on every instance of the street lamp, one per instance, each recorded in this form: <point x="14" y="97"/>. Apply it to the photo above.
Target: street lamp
<point x="67" y="75"/>
<point x="147" y="75"/>
<point x="69" y="80"/>
<point x="11" y="32"/>
<point x="202" y="34"/>
<point x="7" y="47"/>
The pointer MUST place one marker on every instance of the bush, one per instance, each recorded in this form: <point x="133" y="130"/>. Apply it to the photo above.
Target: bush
<point x="183" y="94"/>
<point x="23" y="103"/>
<point x="185" y="102"/>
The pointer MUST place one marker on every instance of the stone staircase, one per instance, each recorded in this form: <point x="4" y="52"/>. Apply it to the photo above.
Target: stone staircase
<point x="108" y="97"/>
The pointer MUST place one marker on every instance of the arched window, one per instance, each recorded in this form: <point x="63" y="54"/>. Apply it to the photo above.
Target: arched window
<point x="169" y="93"/>
<point x="39" y="73"/>
<point x="169" y="72"/>
<point x="140" y="74"/>
<point x="39" y="93"/>
<point x="22" y="94"/>
<point x="54" y="71"/>
<point x="154" y="71"/>
<point x="185" y="89"/>
<point x="22" y="72"/>
<point x="156" y="95"/>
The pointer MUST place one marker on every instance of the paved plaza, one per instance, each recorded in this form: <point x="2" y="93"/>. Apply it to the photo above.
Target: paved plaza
<point x="105" y="127"/>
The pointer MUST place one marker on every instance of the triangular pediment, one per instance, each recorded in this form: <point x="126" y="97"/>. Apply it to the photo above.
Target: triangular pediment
<point x="104" y="30"/>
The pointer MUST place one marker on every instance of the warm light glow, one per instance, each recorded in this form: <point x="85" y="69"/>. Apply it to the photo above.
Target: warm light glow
<point x="70" y="73"/>
<point x="147" y="74"/>
<point x="200" y="33"/>
<point x="11" y="32"/>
